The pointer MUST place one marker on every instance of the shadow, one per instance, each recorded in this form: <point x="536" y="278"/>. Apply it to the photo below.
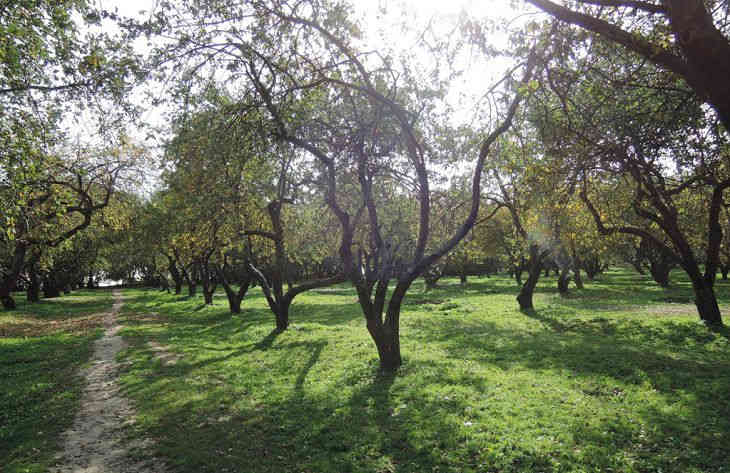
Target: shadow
<point x="622" y="394"/>
<point x="266" y="343"/>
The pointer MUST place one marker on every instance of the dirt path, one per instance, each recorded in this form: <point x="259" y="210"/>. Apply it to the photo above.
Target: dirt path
<point x="95" y="443"/>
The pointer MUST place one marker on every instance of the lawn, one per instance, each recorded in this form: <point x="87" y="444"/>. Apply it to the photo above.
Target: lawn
<point x="42" y="346"/>
<point x="618" y="377"/>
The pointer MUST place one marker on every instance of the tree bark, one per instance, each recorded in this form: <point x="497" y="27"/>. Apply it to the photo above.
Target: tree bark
<point x="386" y="333"/>
<point x="50" y="288"/>
<point x="706" y="303"/>
<point x="564" y="281"/>
<point x="175" y="274"/>
<point x="10" y="279"/>
<point x="34" y="284"/>
<point x="91" y="284"/>
<point x="705" y="50"/>
<point x="660" y="273"/>
<point x="209" y="286"/>
<point x="524" y="298"/>
<point x="577" y="277"/>
<point x="234" y="297"/>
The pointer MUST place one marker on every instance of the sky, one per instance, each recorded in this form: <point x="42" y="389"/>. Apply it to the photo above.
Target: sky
<point x="380" y="31"/>
<point x="424" y="7"/>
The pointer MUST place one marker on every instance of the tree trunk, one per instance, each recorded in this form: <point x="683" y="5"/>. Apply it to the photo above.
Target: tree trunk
<point x="9" y="280"/>
<point x="564" y="281"/>
<point x="282" y="314"/>
<point x="209" y="286"/>
<point x="706" y="303"/>
<point x="6" y="299"/>
<point x="724" y="269"/>
<point x="705" y="299"/>
<point x="50" y="288"/>
<point x="535" y="269"/>
<point x="33" y="292"/>
<point x="462" y="278"/>
<point x="576" y="277"/>
<point x="386" y="333"/>
<point x="175" y="274"/>
<point x="660" y="274"/>
<point x="192" y="288"/>
<point x="234" y="298"/>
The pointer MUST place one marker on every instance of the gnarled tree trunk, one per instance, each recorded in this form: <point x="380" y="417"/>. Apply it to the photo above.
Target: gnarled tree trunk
<point x="524" y="298"/>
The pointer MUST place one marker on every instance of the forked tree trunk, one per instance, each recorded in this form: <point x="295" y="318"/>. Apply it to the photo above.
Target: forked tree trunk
<point x="282" y="314"/>
<point x="234" y="297"/>
<point x="706" y="303"/>
<point x="705" y="298"/>
<point x="385" y="333"/>
<point x="524" y="298"/>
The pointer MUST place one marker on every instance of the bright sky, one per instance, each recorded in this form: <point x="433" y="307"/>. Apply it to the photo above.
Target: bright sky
<point x="382" y="31"/>
<point x="423" y="7"/>
<point x="380" y="28"/>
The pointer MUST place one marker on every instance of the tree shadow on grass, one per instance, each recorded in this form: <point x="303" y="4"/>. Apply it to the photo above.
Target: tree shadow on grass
<point x="683" y="426"/>
<point x="322" y="432"/>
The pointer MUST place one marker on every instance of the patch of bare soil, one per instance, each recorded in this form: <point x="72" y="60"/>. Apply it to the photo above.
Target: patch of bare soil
<point x="672" y="309"/>
<point x="162" y="353"/>
<point x="95" y="443"/>
<point x="38" y="327"/>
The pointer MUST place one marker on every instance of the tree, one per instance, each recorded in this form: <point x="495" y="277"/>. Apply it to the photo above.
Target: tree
<point x="688" y="38"/>
<point x="369" y="129"/>
<point x="62" y="202"/>
<point x="654" y="144"/>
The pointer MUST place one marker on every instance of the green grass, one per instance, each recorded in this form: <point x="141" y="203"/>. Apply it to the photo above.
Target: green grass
<point x="41" y="348"/>
<point x="618" y="377"/>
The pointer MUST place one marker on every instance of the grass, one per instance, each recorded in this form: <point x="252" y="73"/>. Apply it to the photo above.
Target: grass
<point x="618" y="377"/>
<point x="42" y="346"/>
